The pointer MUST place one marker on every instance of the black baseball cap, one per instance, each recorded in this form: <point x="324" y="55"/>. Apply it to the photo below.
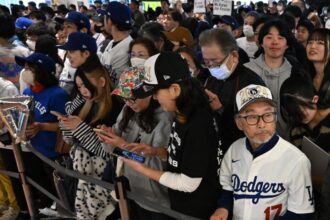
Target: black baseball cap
<point x="162" y="70"/>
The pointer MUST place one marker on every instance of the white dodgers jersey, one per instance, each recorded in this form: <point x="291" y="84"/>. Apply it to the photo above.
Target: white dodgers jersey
<point x="267" y="186"/>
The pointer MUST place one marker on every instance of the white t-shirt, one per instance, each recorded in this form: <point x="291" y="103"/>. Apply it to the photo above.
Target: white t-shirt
<point x="250" y="47"/>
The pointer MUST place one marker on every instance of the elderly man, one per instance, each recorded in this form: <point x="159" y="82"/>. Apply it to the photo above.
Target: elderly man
<point x="227" y="76"/>
<point x="262" y="175"/>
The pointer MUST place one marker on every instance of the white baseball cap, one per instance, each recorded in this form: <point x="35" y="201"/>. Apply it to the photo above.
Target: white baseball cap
<point x="253" y="93"/>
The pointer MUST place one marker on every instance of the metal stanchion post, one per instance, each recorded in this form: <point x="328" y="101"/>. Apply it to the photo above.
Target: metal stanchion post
<point x="26" y="189"/>
<point x="121" y="185"/>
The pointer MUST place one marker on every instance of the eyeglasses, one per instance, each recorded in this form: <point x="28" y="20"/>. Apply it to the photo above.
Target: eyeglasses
<point x="129" y="101"/>
<point x="212" y="64"/>
<point x="254" y="119"/>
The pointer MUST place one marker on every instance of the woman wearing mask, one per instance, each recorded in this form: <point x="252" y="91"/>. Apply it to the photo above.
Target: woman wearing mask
<point x="193" y="154"/>
<point x="318" y="53"/>
<point x="141" y="121"/>
<point x="248" y="43"/>
<point x="140" y="50"/>
<point x="38" y="73"/>
<point x="92" y="106"/>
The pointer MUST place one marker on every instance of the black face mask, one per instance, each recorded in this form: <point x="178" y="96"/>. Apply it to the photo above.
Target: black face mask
<point x="98" y="29"/>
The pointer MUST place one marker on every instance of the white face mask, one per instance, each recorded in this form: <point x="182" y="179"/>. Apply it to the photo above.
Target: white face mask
<point x="327" y="24"/>
<point x="136" y="61"/>
<point x="27" y="77"/>
<point x="31" y="44"/>
<point x="220" y="72"/>
<point x="248" y="31"/>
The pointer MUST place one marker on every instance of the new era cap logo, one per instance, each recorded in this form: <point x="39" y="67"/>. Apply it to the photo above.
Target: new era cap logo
<point x="166" y="77"/>
<point x="39" y="61"/>
<point x="84" y="46"/>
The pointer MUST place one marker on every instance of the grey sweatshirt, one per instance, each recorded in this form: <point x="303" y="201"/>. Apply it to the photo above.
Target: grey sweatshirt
<point x="273" y="79"/>
<point x="159" y="137"/>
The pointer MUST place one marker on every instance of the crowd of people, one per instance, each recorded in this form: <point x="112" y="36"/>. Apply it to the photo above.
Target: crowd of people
<point x="216" y="105"/>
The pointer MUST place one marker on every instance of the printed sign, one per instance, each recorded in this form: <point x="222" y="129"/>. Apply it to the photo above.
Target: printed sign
<point x="222" y="7"/>
<point x="199" y="6"/>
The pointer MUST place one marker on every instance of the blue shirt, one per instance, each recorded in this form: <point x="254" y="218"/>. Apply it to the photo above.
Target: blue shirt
<point x="49" y="99"/>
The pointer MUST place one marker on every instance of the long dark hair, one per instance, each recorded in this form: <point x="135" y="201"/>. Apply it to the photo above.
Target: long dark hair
<point x="191" y="98"/>
<point x="145" y="119"/>
<point x="296" y="92"/>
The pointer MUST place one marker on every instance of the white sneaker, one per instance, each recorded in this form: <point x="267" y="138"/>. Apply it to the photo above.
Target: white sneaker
<point x="48" y="212"/>
<point x="9" y="214"/>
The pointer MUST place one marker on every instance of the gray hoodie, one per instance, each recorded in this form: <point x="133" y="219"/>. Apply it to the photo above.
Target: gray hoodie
<point x="273" y="79"/>
<point x="159" y="137"/>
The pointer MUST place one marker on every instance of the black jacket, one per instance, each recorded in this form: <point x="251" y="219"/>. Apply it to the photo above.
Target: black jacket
<point x="226" y="91"/>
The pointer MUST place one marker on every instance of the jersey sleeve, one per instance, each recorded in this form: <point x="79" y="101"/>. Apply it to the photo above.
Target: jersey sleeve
<point x="226" y="171"/>
<point x="300" y="199"/>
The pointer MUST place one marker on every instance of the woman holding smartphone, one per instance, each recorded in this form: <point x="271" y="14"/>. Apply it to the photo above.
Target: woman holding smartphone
<point x="194" y="150"/>
<point x="141" y="121"/>
<point x="92" y="106"/>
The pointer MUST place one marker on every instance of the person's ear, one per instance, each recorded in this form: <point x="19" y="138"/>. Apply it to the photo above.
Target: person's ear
<point x="102" y="82"/>
<point x="86" y="54"/>
<point x="235" y="57"/>
<point x="84" y="30"/>
<point x="239" y="123"/>
<point x="315" y="99"/>
<point x="175" y="90"/>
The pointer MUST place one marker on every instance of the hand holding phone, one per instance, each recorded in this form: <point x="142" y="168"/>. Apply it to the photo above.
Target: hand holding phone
<point x="100" y="131"/>
<point x="128" y="154"/>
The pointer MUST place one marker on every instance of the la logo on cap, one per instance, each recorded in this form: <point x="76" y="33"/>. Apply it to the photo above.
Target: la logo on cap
<point x="253" y="91"/>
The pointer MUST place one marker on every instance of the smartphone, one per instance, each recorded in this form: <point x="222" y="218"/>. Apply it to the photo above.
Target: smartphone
<point x="103" y="132"/>
<point x="57" y="114"/>
<point x="128" y="154"/>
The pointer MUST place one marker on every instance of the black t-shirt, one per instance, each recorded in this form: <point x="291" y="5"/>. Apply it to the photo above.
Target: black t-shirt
<point x="195" y="150"/>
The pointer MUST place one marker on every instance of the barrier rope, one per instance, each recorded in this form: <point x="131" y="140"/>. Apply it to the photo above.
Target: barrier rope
<point x="77" y="175"/>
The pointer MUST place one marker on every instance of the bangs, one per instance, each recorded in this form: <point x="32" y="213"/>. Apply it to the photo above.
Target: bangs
<point x="318" y="36"/>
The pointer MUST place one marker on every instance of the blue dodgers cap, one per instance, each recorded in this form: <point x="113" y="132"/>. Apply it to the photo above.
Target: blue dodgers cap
<point x="80" y="41"/>
<point x="40" y="59"/>
<point x="23" y="23"/>
<point x="78" y="19"/>
<point x="119" y="13"/>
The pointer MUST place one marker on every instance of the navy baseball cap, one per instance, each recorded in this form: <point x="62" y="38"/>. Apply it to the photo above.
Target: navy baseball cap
<point x="23" y="23"/>
<point x="62" y="9"/>
<point x="162" y="70"/>
<point x="78" y="19"/>
<point x="40" y="59"/>
<point x="80" y="41"/>
<point x="229" y="20"/>
<point x="119" y="13"/>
